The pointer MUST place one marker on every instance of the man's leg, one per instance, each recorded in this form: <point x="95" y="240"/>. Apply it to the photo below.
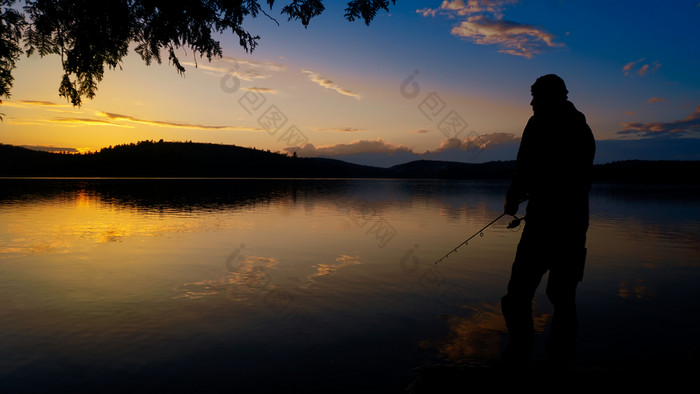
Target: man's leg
<point x="561" y="291"/>
<point x="516" y="305"/>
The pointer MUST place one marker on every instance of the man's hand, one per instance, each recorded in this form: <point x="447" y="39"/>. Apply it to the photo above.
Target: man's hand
<point x="510" y="207"/>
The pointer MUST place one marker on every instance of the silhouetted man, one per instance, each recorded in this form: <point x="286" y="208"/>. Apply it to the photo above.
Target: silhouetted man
<point x="553" y="172"/>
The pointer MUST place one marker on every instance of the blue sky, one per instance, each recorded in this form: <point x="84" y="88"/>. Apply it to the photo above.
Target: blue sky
<point x="630" y="66"/>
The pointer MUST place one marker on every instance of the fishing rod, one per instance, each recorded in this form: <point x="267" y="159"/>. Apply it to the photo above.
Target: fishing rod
<point x="513" y="224"/>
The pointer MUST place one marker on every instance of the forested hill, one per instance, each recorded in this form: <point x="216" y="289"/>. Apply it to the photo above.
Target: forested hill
<point x="188" y="159"/>
<point x="174" y="159"/>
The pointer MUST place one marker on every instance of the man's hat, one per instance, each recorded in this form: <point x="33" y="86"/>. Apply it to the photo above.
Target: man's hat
<point x="549" y="86"/>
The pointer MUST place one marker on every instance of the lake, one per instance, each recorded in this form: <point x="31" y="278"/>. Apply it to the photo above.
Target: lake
<point x="244" y="285"/>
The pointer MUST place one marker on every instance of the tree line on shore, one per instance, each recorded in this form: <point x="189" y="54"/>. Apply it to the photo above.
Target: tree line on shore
<point x="189" y="159"/>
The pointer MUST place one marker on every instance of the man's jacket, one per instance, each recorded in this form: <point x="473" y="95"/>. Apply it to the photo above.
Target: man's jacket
<point x="554" y="165"/>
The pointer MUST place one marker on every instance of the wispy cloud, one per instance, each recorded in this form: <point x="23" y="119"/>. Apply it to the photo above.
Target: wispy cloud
<point x="484" y="25"/>
<point x="85" y="122"/>
<point x="494" y="7"/>
<point x="109" y="119"/>
<point x="340" y="129"/>
<point x="262" y="90"/>
<point x="170" y="124"/>
<point x="683" y="127"/>
<point x="49" y="106"/>
<point x="328" y="84"/>
<point x="32" y="103"/>
<point x="244" y="69"/>
<point x="264" y="65"/>
<point x="640" y="68"/>
<point x="245" y="75"/>
<point x="41" y="103"/>
<point x="26" y="122"/>
<point x="656" y="100"/>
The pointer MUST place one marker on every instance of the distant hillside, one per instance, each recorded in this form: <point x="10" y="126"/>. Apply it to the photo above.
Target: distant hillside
<point x="174" y="159"/>
<point x="188" y="159"/>
<point x="632" y="171"/>
<point x="431" y="169"/>
<point x="647" y="171"/>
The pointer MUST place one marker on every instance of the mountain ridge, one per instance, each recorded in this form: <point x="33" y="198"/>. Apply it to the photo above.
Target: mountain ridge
<point x="190" y="159"/>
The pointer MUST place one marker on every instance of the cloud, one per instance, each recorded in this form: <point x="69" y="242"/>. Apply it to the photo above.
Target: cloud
<point x="341" y="129"/>
<point x="85" y="122"/>
<point x="245" y="75"/>
<point x="41" y="104"/>
<point x="482" y="141"/>
<point x="355" y="147"/>
<point x="484" y="25"/>
<point x="264" y="65"/>
<point x="513" y="38"/>
<point x="426" y="11"/>
<point x="639" y="68"/>
<point x="161" y="123"/>
<point x="504" y="146"/>
<point x="655" y="100"/>
<point x="110" y="119"/>
<point x="689" y="125"/>
<point x="494" y="7"/>
<point x="328" y="84"/>
<point x="31" y="103"/>
<point x="243" y="69"/>
<point x="485" y="147"/>
<point x="26" y="122"/>
<point x="262" y="90"/>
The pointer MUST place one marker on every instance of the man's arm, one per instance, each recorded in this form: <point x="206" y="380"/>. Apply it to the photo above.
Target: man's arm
<point x="517" y="192"/>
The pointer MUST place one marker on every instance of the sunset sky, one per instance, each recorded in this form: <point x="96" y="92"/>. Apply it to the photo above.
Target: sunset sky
<point x="427" y="76"/>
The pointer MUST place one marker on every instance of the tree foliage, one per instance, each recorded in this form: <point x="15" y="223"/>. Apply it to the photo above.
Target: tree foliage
<point x="11" y="26"/>
<point x="90" y="35"/>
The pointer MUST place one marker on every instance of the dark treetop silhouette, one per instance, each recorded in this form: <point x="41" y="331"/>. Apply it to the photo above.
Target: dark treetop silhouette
<point x="90" y="34"/>
<point x="191" y="159"/>
<point x="553" y="172"/>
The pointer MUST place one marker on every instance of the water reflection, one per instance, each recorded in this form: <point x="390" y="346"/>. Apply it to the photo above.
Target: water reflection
<point x="324" y="269"/>
<point x="164" y="276"/>
<point x="479" y="338"/>
<point x="249" y="277"/>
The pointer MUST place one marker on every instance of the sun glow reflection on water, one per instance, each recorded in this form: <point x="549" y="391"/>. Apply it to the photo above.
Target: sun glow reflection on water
<point x="136" y="277"/>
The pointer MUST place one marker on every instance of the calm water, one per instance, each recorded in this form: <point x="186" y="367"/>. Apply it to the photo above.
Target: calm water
<point x="298" y="285"/>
